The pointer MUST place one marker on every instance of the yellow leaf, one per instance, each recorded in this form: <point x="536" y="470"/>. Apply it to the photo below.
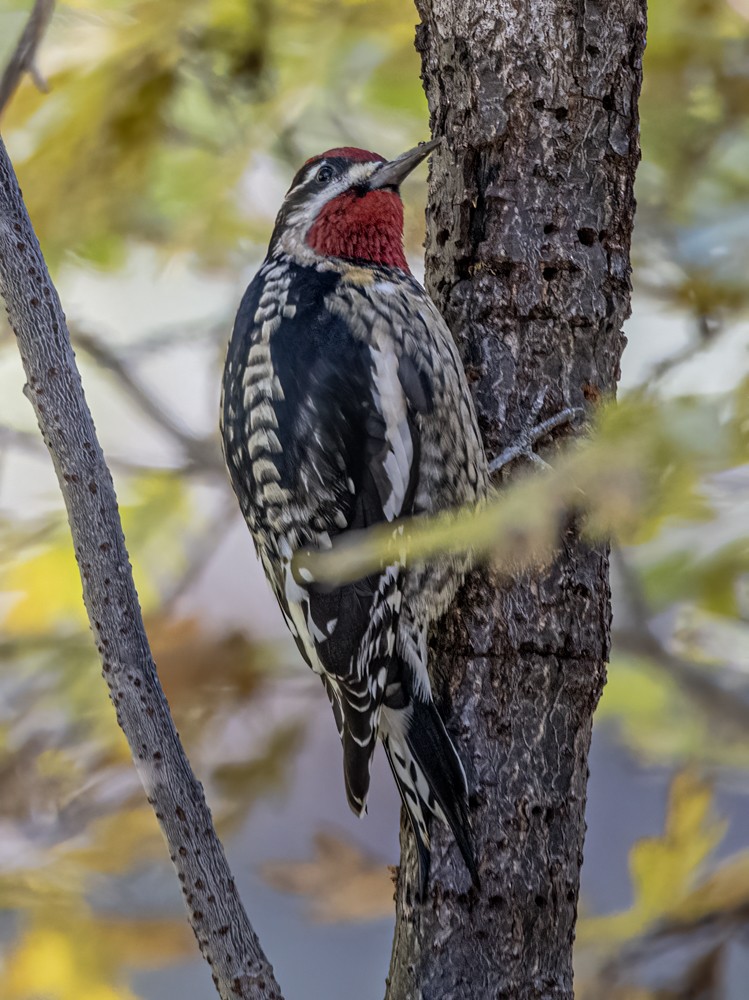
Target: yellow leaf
<point x="663" y="869"/>
<point x="50" y="963"/>
<point x="725" y="890"/>
<point x="49" y="592"/>
<point x="73" y="954"/>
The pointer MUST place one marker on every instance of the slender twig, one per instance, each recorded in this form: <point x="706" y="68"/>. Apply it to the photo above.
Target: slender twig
<point x="22" y="60"/>
<point x="221" y="926"/>
<point x="14" y="437"/>
<point x="201" y="553"/>
<point x="523" y="446"/>
<point x="201" y="452"/>
<point x="164" y="338"/>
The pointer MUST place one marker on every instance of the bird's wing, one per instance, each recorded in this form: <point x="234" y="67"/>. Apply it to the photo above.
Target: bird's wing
<point x="348" y="428"/>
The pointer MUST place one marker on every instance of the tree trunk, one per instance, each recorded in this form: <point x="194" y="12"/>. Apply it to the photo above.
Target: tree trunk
<point x="529" y="223"/>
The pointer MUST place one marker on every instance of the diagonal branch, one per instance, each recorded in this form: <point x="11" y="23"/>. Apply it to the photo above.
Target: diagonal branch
<point x="22" y="60"/>
<point x="201" y="453"/>
<point x="224" y="933"/>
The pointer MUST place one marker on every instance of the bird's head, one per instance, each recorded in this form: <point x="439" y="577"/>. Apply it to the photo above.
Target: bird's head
<point x="346" y="204"/>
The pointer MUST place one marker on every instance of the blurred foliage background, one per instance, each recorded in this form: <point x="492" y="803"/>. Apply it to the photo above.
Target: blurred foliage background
<point x="152" y="171"/>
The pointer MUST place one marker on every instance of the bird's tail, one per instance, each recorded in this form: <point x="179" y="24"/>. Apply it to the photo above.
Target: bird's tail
<point x="430" y="778"/>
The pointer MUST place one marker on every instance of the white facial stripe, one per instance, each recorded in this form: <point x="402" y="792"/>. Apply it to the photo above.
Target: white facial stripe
<point x="355" y="174"/>
<point x="302" y="217"/>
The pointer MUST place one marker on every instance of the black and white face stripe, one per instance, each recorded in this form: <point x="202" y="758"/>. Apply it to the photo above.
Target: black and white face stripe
<point x="314" y="185"/>
<point x="319" y="173"/>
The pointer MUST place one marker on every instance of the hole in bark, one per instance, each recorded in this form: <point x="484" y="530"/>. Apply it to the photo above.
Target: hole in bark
<point x="587" y="236"/>
<point x="549" y="273"/>
<point x="608" y="102"/>
<point x="539" y="104"/>
<point x="540" y="901"/>
<point x="570" y="895"/>
<point x="591" y="392"/>
<point x="550" y="228"/>
<point x="560" y="114"/>
<point x="549" y="814"/>
<point x="496" y="902"/>
<point x="593" y="50"/>
<point x="536" y="811"/>
<point x="442" y="237"/>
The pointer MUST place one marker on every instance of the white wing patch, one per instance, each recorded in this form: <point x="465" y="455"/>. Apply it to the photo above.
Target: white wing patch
<point x="391" y="402"/>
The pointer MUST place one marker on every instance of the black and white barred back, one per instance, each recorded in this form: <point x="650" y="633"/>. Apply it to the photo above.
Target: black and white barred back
<point x="344" y="406"/>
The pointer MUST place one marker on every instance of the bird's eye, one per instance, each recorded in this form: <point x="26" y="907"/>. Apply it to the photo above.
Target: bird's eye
<point x="325" y="174"/>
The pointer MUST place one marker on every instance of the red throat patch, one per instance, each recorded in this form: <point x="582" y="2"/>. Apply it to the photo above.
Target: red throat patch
<point x="366" y="227"/>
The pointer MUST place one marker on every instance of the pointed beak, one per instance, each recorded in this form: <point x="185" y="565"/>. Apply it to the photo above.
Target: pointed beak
<point x="390" y="175"/>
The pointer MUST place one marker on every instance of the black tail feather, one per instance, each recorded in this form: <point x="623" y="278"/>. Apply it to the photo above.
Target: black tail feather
<point x="423" y="855"/>
<point x="434" y="752"/>
<point x="430" y="779"/>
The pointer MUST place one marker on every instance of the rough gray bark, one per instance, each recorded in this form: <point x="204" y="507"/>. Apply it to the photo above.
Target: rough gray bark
<point x="223" y="931"/>
<point x="529" y="222"/>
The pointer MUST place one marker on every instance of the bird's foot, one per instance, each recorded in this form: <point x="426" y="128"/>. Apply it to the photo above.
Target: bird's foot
<point x="532" y="433"/>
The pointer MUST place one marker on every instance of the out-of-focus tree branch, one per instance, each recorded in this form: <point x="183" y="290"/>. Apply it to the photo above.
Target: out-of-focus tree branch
<point x="22" y="60"/>
<point x="201" y="552"/>
<point x="223" y="931"/>
<point x="640" y="639"/>
<point x="26" y="441"/>
<point x="200" y="452"/>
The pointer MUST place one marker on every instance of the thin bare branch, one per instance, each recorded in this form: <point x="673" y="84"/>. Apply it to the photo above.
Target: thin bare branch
<point x="221" y="926"/>
<point x="14" y="437"/>
<point x="201" y="452"/>
<point x="22" y="60"/>
<point x="202" y="551"/>
<point x="523" y="446"/>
